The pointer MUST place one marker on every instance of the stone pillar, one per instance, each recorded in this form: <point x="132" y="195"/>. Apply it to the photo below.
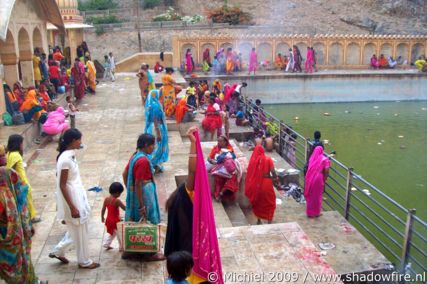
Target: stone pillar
<point x="2" y="100"/>
<point x="176" y="49"/>
<point x="11" y="75"/>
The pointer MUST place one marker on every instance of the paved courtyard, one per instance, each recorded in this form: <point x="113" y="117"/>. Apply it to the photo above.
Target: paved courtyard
<point x="111" y="122"/>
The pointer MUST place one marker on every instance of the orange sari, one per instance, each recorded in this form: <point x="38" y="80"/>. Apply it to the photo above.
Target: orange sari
<point x="168" y="95"/>
<point x="181" y="110"/>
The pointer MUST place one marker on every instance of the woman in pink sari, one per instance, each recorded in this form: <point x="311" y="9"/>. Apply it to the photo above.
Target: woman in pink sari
<point x="191" y="220"/>
<point x="78" y="72"/>
<point x="309" y="61"/>
<point x="315" y="179"/>
<point x="189" y="61"/>
<point x="253" y="61"/>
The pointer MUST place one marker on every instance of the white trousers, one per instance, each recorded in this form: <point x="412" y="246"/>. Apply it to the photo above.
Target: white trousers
<point x="79" y="235"/>
<point x="108" y="73"/>
<point x="290" y="65"/>
<point x="108" y="239"/>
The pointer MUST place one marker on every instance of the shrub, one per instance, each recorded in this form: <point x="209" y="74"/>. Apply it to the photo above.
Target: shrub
<point x="170" y="15"/>
<point x="110" y="19"/>
<point x="231" y="15"/>
<point x="150" y="4"/>
<point x="97" y="5"/>
<point x="99" y="30"/>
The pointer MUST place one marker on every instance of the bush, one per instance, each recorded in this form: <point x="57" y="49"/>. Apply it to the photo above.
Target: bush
<point x="103" y="20"/>
<point x="150" y="4"/>
<point x="231" y="15"/>
<point x="99" y="30"/>
<point x="170" y="15"/>
<point x="97" y="5"/>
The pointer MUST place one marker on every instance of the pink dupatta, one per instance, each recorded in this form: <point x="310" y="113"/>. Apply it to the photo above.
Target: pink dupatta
<point x="207" y="260"/>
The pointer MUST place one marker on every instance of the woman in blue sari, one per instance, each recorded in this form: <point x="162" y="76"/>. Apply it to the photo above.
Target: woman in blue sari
<point x="154" y="116"/>
<point x="141" y="199"/>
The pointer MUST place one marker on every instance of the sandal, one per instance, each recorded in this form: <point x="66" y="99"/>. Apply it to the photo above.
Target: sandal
<point x="92" y="266"/>
<point x="62" y="259"/>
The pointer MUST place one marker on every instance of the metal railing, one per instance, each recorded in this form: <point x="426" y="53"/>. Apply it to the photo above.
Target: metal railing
<point x="394" y="230"/>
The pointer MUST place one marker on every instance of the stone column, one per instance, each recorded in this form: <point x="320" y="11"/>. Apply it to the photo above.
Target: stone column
<point x="176" y="49"/>
<point x="2" y="100"/>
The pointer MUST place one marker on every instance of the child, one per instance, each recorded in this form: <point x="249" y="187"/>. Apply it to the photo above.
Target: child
<point x="191" y="90"/>
<point x="72" y="109"/>
<point x="112" y="203"/>
<point x="179" y="265"/>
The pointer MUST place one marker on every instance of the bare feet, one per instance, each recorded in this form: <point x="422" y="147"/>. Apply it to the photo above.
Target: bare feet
<point x="156" y="257"/>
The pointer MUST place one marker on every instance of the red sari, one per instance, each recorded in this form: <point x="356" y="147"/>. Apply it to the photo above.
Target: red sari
<point x="226" y="187"/>
<point x="315" y="182"/>
<point x="259" y="186"/>
<point x="78" y="72"/>
<point x="212" y="120"/>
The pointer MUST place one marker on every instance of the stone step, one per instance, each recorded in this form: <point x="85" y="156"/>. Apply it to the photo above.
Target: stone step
<point x="235" y="214"/>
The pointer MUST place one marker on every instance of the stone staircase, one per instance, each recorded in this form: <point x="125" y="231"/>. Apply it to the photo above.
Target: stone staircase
<point x="291" y="232"/>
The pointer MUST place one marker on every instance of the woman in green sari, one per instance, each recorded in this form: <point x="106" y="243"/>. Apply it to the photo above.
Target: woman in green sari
<point x="15" y="228"/>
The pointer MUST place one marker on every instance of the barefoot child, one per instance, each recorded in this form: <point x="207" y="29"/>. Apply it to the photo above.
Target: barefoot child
<point x="112" y="203"/>
<point x="72" y="111"/>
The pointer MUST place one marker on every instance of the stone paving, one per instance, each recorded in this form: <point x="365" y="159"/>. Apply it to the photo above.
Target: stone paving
<point x="110" y="122"/>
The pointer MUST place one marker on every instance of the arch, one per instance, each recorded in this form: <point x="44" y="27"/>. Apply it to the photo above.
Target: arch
<point x="193" y="49"/>
<point x="302" y="46"/>
<point x="226" y="45"/>
<point x="7" y="49"/>
<point x="386" y="49"/>
<point x="368" y="50"/>
<point x="283" y="48"/>
<point x="24" y="44"/>
<point x="353" y="54"/>
<point x="402" y="50"/>
<point x="335" y="54"/>
<point x="245" y="48"/>
<point x="211" y="48"/>
<point x="417" y="50"/>
<point x="37" y="40"/>
<point x="265" y="52"/>
<point x="320" y="53"/>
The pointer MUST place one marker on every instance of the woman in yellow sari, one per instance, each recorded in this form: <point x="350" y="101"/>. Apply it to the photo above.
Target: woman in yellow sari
<point x="279" y="62"/>
<point x="36" y="67"/>
<point x="91" y="75"/>
<point x="168" y="93"/>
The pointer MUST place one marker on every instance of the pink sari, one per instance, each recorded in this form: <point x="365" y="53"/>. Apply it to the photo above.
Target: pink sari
<point x="189" y="62"/>
<point x="205" y="242"/>
<point x="315" y="182"/>
<point x="253" y="61"/>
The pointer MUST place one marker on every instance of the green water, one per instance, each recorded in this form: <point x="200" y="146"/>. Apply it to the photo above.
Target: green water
<point x="366" y="137"/>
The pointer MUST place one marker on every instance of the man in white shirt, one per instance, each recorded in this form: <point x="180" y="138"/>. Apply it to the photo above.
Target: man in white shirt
<point x="112" y="62"/>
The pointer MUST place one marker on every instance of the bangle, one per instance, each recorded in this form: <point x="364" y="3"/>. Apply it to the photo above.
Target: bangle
<point x="192" y="155"/>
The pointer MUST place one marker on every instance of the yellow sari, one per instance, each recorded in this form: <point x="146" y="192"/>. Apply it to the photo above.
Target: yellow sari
<point x="168" y="95"/>
<point x="91" y="75"/>
<point x="36" y="68"/>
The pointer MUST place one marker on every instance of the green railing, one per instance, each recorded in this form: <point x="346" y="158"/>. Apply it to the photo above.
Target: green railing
<point x="393" y="229"/>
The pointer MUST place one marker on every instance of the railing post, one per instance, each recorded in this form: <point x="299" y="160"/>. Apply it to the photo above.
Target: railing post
<point x="407" y="240"/>
<point x="348" y="193"/>
<point x="306" y="150"/>
<point x="280" y="137"/>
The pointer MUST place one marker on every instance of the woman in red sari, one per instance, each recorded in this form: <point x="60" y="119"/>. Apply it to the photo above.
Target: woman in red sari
<point x="315" y="179"/>
<point x="78" y="72"/>
<point x="225" y="169"/>
<point x="259" y="185"/>
<point x="212" y="121"/>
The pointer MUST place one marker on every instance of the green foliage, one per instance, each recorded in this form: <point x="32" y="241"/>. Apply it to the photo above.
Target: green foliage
<point x="231" y="15"/>
<point x="97" y="5"/>
<point x="99" y="30"/>
<point x="150" y="4"/>
<point x="170" y="15"/>
<point x="110" y="19"/>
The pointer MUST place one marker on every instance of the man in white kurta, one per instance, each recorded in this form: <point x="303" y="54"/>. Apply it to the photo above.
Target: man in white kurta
<point x="77" y="228"/>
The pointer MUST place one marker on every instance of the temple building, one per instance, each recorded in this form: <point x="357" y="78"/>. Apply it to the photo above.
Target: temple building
<point x="74" y="27"/>
<point x="23" y="27"/>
